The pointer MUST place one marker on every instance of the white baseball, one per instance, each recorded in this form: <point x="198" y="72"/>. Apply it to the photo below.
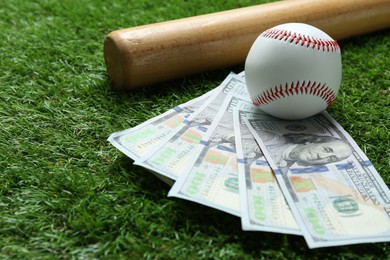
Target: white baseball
<point x="293" y="71"/>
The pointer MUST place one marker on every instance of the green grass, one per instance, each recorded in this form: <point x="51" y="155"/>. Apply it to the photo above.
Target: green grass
<point x="65" y="192"/>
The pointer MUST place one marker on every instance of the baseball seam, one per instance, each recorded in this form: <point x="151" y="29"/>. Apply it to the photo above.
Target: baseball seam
<point x="303" y="40"/>
<point x="296" y="88"/>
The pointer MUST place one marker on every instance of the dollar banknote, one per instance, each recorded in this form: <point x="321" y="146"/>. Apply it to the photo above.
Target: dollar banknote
<point x="211" y="178"/>
<point x="242" y="74"/>
<point x="172" y="157"/>
<point x="137" y="141"/>
<point x="263" y="206"/>
<point x="336" y="195"/>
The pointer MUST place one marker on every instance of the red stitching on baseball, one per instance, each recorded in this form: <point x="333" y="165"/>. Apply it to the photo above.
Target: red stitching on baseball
<point x="296" y="88"/>
<point x="303" y="40"/>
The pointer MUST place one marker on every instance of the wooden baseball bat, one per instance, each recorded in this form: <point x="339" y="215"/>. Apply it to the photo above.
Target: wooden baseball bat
<point x="153" y="53"/>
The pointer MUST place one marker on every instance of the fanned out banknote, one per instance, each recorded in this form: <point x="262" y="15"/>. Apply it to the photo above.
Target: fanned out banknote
<point x="305" y="177"/>
<point x="172" y="158"/>
<point x="210" y="177"/>
<point x="333" y="190"/>
<point x="141" y="139"/>
<point x="263" y="206"/>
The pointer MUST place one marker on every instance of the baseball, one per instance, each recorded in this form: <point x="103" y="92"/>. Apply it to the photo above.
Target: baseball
<point x="293" y="71"/>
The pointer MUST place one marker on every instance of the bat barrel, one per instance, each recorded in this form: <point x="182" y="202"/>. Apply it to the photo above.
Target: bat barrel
<point x="154" y="53"/>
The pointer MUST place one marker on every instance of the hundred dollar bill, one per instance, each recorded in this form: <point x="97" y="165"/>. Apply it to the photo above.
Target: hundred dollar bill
<point x="336" y="195"/>
<point x="263" y="206"/>
<point x="211" y="178"/>
<point x="137" y="141"/>
<point x="171" y="158"/>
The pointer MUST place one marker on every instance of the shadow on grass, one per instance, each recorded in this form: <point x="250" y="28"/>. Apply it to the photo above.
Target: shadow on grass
<point x="196" y="85"/>
<point x="192" y="218"/>
<point x="366" y="40"/>
<point x="256" y="243"/>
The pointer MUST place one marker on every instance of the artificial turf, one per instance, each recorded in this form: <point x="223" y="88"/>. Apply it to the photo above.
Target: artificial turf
<point x="65" y="192"/>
